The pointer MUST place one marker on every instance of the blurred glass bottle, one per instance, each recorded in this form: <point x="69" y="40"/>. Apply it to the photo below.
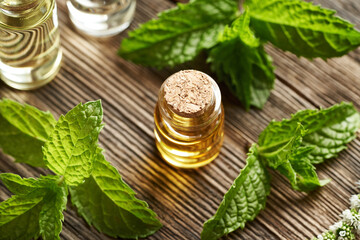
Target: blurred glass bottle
<point x="101" y="18"/>
<point x="30" y="54"/>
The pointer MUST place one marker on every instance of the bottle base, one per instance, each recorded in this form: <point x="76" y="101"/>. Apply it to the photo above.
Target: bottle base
<point x="28" y="78"/>
<point x="101" y="25"/>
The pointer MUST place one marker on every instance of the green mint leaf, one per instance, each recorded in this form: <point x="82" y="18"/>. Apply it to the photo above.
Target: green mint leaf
<point x="301" y="172"/>
<point x="288" y="156"/>
<point x="51" y="216"/>
<point x="28" y="119"/>
<point x="71" y="148"/>
<point x="32" y="210"/>
<point x="23" y="131"/>
<point x="278" y="142"/>
<point x="16" y="184"/>
<point x="293" y="145"/>
<point x="328" y="130"/>
<point x="107" y="202"/>
<point x="240" y="60"/>
<point x="244" y="200"/>
<point x="302" y="28"/>
<point x="19" y="218"/>
<point x="179" y="34"/>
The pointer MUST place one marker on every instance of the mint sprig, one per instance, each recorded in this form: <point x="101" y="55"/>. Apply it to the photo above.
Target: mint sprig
<point x="179" y="34"/>
<point x="292" y="147"/>
<point x="240" y="60"/>
<point x="71" y="150"/>
<point x="310" y="137"/>
<point x="236" y="55"/>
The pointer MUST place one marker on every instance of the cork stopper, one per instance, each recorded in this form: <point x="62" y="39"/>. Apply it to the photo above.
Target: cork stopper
<point x="188" y="92"/>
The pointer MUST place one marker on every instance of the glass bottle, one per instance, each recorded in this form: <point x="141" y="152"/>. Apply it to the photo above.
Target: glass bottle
<point x="189" y="124"/>
<point x="101" y="18"/>
<point x="30" y="54"/>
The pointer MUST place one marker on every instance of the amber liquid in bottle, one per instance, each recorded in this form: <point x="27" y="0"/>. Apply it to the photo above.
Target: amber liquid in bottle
<point x="189" y="140"/>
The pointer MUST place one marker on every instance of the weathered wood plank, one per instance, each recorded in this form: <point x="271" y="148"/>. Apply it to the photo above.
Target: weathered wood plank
<point x="184" y="199"/>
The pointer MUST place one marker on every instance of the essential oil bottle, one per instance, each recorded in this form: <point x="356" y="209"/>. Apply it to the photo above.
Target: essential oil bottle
<point x="30" y="54"/>
<point x="101" y="18"/>
<point x="189" y="119"/>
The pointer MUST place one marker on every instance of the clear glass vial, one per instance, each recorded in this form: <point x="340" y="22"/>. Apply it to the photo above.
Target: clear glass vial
<point x="189" y="119"/>
<point x="30" y="54"/>
<point x="101" y="18"/>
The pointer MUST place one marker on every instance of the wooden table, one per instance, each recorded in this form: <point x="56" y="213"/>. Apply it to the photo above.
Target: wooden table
<point x="184" y="199"/>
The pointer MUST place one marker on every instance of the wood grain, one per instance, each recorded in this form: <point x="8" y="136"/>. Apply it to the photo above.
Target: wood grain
<point x="184" y="199"/>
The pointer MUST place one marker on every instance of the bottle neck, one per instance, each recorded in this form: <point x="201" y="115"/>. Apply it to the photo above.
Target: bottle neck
<point x="24" y="14"/>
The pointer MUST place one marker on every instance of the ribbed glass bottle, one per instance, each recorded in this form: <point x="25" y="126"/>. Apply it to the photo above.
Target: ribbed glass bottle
<point x="189" y="140"/>
<point x="30" y="54"/>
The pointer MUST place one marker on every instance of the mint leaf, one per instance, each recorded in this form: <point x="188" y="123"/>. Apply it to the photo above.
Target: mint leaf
<point x="278" y="142"/>
<point x="239" y="59"/>
<point x="106" y="202"/>
<point x="28" y="119"/>
<point x="293" y="145"/>
<point x="300" y="171"/>
<point x="23" y="131"/>
<point x="16" y="184"/>
<point x="329" y="130"/>
<point x="244" y="200"/>
<point x="71" y="148"/>
<point x="179" y="34"/>
<point x="51" y="216"/>
<point x="288" y="156"/>
<point x="32" y="210"/>
<point x="303" y="28"/>
<point x="19" y="218"/>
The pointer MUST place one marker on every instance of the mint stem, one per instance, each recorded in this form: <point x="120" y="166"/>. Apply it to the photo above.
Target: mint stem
<point x="60" y="181"/>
